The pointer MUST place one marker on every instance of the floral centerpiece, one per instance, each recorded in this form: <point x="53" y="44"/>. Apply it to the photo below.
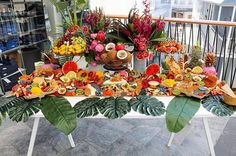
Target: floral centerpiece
<point x="141" y="31"/>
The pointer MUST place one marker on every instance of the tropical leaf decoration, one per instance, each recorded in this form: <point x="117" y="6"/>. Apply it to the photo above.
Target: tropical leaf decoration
<point x="147" y="105"/>
<point x="216" y="105"/>
<point x="87" y="107"/>
<point x="114" y="108"/>
<point x="59" y="112"/>
<point x="21" y="109"/>
<point x="5" y="104"/>
<point x="180" y="111"/>
<point x="64" y="6"/>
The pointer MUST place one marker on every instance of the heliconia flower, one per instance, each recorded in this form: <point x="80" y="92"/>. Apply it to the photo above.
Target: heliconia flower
<point x="94" y="44"/>
<point x="93" y="64"/>
<point x="99" y="48"/>
<point x="93" y="36"/>
<point x="98" y="58"/>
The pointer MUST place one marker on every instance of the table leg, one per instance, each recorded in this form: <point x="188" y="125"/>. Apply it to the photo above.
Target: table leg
<point x="72" y="143"/>
<point x="208" y="135"/>
<point x="33" y="136"/>
<point x="172" y="135"/>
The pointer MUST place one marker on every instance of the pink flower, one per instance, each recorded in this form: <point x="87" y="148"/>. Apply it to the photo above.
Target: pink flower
<point x="99" y="48"/>
<point x="93" y="64"/>
<point x="142" y="40"/>
<point x="141" y="47"/>
<point x="94" y="44"/>
<point x="97" y="58"/>
<point x="93" y="36"/>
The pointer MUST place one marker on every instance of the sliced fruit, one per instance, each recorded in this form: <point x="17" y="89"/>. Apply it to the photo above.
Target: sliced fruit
<point x="62" y="91"/>
<point x="42" y="84"/>
<point x="110" y="46"/>
<point x="210" y="81"/>
<point x="197" y="78"/>
<point x="80" y="92"/>
<point x="152" y="69"/>
<point x="176" y="92"/>
<point x="87" y="92"/>
<point x="69" y="66"/>
<point x="187" y="70"/>
<point x="153" y="84"/>
<point x="65" y="79"/>
<point x="71" y="75"/>
<point x="38" y="80"/>
<point x="197" y="70"/>
<point x="36" y="91"/>
<point x="122" y="54"/>
<point x="100" y="74"/>
<point x="179" y="77"/>
<point x="15" y="88"/>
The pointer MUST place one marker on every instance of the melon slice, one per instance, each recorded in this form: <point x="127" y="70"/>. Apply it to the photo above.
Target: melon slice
<point x="152" y="69"/>
<point x="69" y="66"/>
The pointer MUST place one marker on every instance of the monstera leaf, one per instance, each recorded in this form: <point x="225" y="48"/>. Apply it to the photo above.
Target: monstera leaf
<point x="87" y="107"/>
<point x="147" y="105"/>
<point x="180" y="111"/>
<point x="215" y="105"/>
<point x="113" y="108"/>
<point x="21" y="109"/>
<point x="59" y="112"/>
<point x="7" y="102"/>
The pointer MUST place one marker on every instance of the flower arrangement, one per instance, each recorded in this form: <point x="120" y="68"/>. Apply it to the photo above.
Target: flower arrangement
<point x="141" y="31"/>
<point x="96" y="20"/>
<point x="95" y="44"/>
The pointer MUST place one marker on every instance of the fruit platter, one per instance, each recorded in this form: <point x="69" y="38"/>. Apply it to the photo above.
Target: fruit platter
<point x="189" y="79"/>
<point x="169" y="47"/>
<point x="169" y="80"/>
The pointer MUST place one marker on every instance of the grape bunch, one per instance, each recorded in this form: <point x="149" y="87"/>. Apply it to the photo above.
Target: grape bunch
<point x="65" y="38"/>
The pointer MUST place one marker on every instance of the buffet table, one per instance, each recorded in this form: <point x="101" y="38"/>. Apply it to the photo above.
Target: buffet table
<point x="202" y="113"/>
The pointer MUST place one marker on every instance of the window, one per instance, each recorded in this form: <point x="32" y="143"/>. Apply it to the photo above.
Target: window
<point x="226" y="13"/>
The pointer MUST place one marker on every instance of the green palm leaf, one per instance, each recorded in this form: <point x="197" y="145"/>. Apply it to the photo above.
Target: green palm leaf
<point x="113" y="108"/>
<point x="180" y="111"/>
<point x="215" y="105"/>
<point x="147" y="105"/>
<point x="87" y="107"/>
<point x="21" y="109"/>
<point x="59" y="112"/>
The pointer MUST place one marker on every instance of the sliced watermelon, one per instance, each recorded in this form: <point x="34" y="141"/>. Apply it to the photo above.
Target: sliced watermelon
<point x="152" y="69"/>
<point x="69" y="66"/>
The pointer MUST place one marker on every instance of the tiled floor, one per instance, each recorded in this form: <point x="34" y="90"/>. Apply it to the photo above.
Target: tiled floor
<point x="123" y="137"/>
